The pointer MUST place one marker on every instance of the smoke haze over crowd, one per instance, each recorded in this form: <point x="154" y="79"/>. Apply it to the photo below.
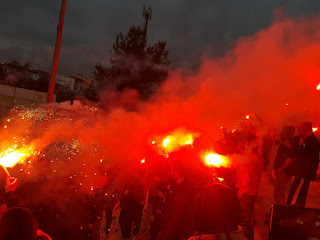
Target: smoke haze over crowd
<point x="273" y="73"/>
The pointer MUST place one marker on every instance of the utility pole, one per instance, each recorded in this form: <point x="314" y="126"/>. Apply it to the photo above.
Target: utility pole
<point x="146" y="14"/>
<point x="56" y="52"/>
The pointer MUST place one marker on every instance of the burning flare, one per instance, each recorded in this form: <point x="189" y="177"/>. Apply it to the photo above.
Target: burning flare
<point x="216" y="160"/>
<point x="188" y="140"/>
<point x="176" y="140"/>
<point x="315" y="129"/>
<point x="11" y="157"/>
<point x="166" y="142"/>
<point x="318" y="87"/>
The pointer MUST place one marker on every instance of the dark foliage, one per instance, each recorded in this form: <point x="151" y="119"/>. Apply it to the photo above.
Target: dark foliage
<point x="134" y="63"/>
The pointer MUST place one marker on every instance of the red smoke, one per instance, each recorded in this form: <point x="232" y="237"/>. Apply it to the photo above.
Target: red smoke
<point x="273" y="73"/>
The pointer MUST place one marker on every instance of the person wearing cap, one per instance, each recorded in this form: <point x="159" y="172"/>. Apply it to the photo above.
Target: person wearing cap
<point x="306" y="149"/>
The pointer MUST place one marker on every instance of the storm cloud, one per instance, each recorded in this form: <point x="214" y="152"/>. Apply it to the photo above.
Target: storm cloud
<point x="192" y="28"/>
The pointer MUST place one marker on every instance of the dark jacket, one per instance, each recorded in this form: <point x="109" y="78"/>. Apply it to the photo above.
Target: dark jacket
<point x="283" y="154"/>
<point x="210" y="210"/>
<point x="218" y="210"/>
<point x="179" y="212"/>
<point x="306" y="157"/>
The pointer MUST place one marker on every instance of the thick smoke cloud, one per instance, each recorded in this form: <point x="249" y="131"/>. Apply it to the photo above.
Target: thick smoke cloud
<point x="273" y="73"/>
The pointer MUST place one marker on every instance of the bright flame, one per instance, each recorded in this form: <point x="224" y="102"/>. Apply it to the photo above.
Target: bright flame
<point x="143" y="160"/>
<point x="318" y="87"/>
<point x="213" y="159"/>
<point x="189" y="140"/>
<point x="248" y="117"/>
<point x="166" y="142"/>
<point x="175" y="140"/>
<point x="11" y="157"/>
<point x="220" y="179"/>
<point x="315" y="129"/>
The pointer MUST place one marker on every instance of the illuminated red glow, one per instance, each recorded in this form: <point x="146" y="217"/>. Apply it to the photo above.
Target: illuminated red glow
<point x="13" y="156"/>
<point x="216" y="160"/>
<point x="248" y="117"/>
<point x="175" y="140"/>
<point x="318" y="87"/>
<point x="166" y="142"/>
<point x="315" y="129"/>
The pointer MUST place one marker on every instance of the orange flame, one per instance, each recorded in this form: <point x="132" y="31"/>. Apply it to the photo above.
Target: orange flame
<point x="11" y="157"/>
<point x="315" y="129"/>
<point x="318" y="87"/>
<point x="216" y="160"/>
<point x="143" y="160"/>
<point x="188" y="140"/>
<point x="177" y="139"/>
<point x="220" y="179"/>
<point x="248" y="117"/>
<point x="166" y="142"/>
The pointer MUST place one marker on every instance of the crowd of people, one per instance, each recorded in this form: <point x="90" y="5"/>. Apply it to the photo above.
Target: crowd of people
<point x="185" y="198"/>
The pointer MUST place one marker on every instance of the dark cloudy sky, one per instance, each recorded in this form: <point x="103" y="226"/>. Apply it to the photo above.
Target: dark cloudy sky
<point x="192" y="28"/>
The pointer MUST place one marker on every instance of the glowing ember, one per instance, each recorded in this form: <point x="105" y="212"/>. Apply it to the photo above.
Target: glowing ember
<point x="248" y="117"/>
<point x="11" y="157"/>
<point x="315" y="129"/>
<point x="318" y="87"/>
<point x="143" y="160"/>
<point x="213" y="159"/>
<point x="287" y="104"/>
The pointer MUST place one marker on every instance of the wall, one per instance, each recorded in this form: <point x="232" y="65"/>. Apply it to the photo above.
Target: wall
<point x="65" y="81"/>
<point x="12" y="97"/>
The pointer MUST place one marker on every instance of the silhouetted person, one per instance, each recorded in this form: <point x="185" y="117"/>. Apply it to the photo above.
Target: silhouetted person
<point x="197" y="205"/>
<point x="19" y="224"/>
<point x="131" y="204"/>
<point x="177" y="220"/>
<point x="219" y="210"/>
<point x="267" y="143"/>
<point x="306" y="149"/>
<point x="157" y="193"/>
<point x="283" y="165"/>
<point x="111" y="198"/>
<point x="250" y="170"/>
